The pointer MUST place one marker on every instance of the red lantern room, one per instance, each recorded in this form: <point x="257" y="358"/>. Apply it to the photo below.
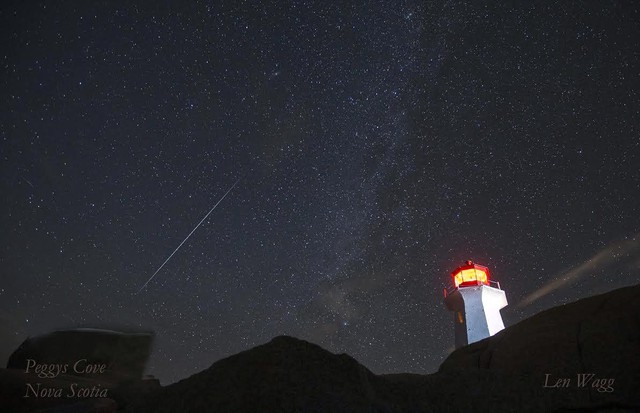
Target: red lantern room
<point x="470" y="274"/>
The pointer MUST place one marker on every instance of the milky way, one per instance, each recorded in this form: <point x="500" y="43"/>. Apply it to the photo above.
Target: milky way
<point x="378" y="145"/>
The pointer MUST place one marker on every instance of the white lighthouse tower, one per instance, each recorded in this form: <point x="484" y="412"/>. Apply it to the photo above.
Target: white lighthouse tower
<point x="476" y="302"/>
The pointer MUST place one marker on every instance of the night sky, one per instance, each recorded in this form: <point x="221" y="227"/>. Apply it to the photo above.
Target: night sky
<point x="377" y="145"/>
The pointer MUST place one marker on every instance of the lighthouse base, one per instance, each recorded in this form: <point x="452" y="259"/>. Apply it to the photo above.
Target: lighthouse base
<point x="476" y="312"/>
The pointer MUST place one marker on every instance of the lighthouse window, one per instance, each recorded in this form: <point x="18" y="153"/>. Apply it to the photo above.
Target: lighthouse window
<point x="471" y="275"/>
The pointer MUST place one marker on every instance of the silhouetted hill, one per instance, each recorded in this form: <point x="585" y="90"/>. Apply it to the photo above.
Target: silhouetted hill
<point x="291" y="375"/>
<point x="598" y="337"/>
<point x="507" y="372"/>
<point x="285" y="374"/>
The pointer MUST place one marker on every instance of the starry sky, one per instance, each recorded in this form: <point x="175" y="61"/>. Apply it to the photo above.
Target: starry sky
<point x="377" y="145"/>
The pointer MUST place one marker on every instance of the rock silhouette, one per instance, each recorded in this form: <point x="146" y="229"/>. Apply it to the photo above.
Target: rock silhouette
<point x="53" y="373"/>
<point x="511" y="371"/>
<point x="596" y="337"/>
<point x="125" y="354"/>
<point x="518" y="369"/>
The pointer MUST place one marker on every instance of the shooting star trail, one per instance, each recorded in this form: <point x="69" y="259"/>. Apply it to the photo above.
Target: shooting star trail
<point x="27" y="181"/>
<point x="185" y="240"/>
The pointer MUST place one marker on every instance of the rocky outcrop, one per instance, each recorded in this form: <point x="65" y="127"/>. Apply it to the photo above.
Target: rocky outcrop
<point x="81" y="371"/>
<point x="594" y="341"/>
<point x="124" y="354"/>
<point x="532" y="366"/>
<point x="285" y="374"/>
<point x="511" y="371"/>
<point x="291" y="375"/>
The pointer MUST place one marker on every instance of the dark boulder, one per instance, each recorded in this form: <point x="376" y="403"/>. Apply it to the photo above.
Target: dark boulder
<point x="41" y="376"/>
<point x="597" y="338"/>
<point x="85" y="406"/>
<point x="125" y="354"/>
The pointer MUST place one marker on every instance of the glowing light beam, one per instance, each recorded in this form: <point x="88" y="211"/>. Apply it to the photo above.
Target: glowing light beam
<point x="605" y="257"/>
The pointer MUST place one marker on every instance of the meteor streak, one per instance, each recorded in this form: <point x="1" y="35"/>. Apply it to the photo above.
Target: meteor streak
<point x="185" y="240"/>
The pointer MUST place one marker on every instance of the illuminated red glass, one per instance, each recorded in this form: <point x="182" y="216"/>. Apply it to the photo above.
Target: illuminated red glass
<point x="470" y="274"/>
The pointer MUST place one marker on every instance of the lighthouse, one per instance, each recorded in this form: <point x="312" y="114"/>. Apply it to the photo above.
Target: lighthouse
<point x="476" y="301"/>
